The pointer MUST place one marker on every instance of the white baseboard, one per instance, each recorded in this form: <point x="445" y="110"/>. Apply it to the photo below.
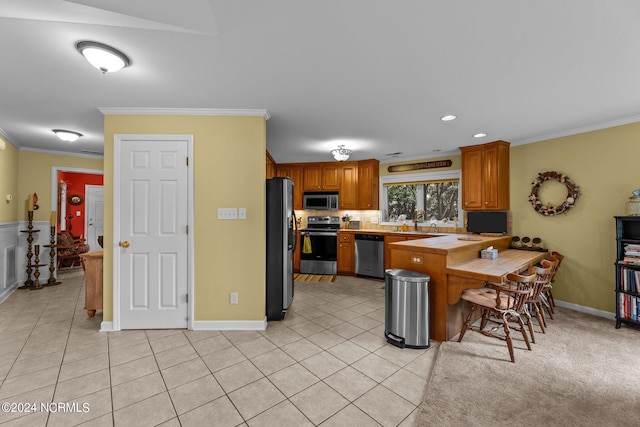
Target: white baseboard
<point x="583" y="309"/>
<point x="106" y="326"/>
<point x="230" y="325"/>
<point x="7" y="292"/>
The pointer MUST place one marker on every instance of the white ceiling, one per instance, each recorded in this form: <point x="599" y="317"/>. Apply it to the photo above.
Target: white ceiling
<point x="376" y="74"/>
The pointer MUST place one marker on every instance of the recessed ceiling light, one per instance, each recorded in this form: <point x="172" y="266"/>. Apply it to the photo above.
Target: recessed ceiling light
<point x="448" y="118"/>
<point x="437" y="150"/>
<point x="396" y="154"/>
<point x="67" y="135"/>
<point x="480" y="135"/>
<point x="104" y="57"/>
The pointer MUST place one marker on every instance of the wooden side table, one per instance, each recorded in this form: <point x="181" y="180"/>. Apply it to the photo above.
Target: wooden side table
<point x="93" y="281"/>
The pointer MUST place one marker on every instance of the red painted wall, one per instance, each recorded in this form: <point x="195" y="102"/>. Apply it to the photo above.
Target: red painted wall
<point x="75" y="185"/>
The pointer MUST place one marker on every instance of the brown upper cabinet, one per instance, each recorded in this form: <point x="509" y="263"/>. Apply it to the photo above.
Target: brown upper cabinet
<point x="321" y="177"/>
<point x="368" y="184"/>
<point x="357" y="182"/>
<point x="348" y="185"/>
<point x="271" y="167"/>
<point x="293" y="171"/>
<point x="485" y="176"/>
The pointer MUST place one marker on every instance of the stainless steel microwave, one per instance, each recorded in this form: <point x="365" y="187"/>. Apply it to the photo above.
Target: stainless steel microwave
<point x="321" y="200"/>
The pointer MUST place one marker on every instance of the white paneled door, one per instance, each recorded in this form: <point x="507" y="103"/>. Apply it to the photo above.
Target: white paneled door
<point x="94" y="215"/>
<point x="153" y="242"/>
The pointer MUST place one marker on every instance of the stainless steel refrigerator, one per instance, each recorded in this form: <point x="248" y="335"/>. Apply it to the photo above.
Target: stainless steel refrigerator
<point x="281" y="244"/>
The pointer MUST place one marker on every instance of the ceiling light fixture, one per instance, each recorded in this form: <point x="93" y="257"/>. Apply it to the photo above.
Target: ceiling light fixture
<point x="480" y="135"/>
<point x="341" y="154"/>
<point x="67" y="135"/>
<point x="448" y="117"/>
<point x="105" y="58"/>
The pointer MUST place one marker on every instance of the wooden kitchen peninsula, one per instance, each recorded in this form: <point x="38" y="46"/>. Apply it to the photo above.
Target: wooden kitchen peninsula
<point x="453" y="263"/>
<point x="93" y="281"/>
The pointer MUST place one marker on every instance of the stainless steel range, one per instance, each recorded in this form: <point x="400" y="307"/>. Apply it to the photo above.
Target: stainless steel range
<point x="319" y="245"/>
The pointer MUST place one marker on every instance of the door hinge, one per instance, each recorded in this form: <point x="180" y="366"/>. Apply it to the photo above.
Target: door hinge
<point x="187" y="161"/>
<point x="187" y="298"/>
<point x="187" y="229"/>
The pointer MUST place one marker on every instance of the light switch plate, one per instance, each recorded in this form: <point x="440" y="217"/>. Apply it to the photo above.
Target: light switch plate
<point x="227" y="213"/>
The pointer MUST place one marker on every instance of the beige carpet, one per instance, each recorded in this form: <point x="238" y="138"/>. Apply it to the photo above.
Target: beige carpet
<point x="582" y="372"/>
<point x="314" y="277"/>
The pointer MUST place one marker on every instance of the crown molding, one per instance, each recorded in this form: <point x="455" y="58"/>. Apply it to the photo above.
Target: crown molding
<point x="8" y="138"/>
<point x="576" y="131"/>
<point x="63" y="153"/>
<point x="186" y="111"/>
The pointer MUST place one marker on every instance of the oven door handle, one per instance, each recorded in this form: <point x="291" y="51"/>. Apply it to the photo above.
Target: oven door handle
<point x="321" y="233"/>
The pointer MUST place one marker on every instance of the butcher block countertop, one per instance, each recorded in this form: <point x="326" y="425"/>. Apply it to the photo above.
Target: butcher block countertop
<point x="447" y="244"/>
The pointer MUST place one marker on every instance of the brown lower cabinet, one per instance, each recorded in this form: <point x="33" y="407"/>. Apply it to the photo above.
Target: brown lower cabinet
<point x="296" y="253"/>
<point x="346" y="254"/>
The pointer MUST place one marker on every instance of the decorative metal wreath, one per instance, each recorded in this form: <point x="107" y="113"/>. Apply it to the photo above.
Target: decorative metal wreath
<point x="573" y="191"/>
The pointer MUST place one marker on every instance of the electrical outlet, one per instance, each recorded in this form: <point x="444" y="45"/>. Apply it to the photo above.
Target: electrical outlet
<point x="233" y="298"/>
<point x="227" y="213"/>
<point x="242" y="213"/>
<point x="374" y="220"/>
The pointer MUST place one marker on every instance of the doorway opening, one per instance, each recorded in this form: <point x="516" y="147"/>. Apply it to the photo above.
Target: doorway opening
<point x="69" y="199"/>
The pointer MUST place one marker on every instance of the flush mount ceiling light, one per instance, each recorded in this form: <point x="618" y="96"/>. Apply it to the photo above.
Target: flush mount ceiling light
<point x="448" y="117"/>
<point x="341" y="154"/>
<point x="480" y="135"/>
<point x="67" y="135"/>
<point x="105" y="58"/>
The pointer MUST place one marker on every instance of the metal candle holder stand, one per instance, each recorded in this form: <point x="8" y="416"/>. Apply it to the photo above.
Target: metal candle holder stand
<point x="36" y="273"/>
<point x="52" y="257"/>
<point x="29" y="283"/>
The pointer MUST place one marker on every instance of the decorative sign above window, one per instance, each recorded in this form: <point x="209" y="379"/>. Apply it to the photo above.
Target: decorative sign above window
<point x="573" y="191"/>
<point x="422" y="165"/>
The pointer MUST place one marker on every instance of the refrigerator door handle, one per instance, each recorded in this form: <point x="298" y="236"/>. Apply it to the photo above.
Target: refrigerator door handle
<point x="295" y="232"/>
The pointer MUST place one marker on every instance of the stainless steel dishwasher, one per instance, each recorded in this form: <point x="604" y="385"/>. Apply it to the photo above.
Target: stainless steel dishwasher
<point x="370" y="255"/>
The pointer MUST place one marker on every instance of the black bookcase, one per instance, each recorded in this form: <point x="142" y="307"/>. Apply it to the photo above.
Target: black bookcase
<point x="627" y="270"/>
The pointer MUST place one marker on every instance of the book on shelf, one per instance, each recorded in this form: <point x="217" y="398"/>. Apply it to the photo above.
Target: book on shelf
<point x="629" y="279"/>
<point x="629" y="307"/>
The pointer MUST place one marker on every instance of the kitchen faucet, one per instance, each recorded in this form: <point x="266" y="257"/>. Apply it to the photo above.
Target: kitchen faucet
<point x="434" y="226"/>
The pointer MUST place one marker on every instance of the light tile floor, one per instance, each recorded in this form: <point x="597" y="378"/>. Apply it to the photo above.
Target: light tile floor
<point x="326" y="364"/>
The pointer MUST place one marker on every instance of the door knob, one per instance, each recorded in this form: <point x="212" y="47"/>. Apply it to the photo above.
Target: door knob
<point x="90" y="223"/>
<point x="124" y="244"/>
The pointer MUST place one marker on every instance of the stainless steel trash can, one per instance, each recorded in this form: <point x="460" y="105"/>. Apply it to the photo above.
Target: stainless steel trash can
<point x="406" y="305"/>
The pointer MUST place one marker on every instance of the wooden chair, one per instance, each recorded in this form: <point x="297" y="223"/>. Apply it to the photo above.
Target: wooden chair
<point x="68" y="250"/>
<point x="502" y="304"/>
<point x="534" y="301"/>
<point x="547" y="295"/>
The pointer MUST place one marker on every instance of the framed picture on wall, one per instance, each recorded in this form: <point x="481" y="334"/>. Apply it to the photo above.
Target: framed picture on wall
<point x="75" y="199"/>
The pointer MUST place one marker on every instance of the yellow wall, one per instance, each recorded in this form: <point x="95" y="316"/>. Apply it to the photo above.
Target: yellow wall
<point x="34" y="171"/>
<point x="8" y="182"/>
<point x="604" y="164"/>
<point x="229" y="171"/>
